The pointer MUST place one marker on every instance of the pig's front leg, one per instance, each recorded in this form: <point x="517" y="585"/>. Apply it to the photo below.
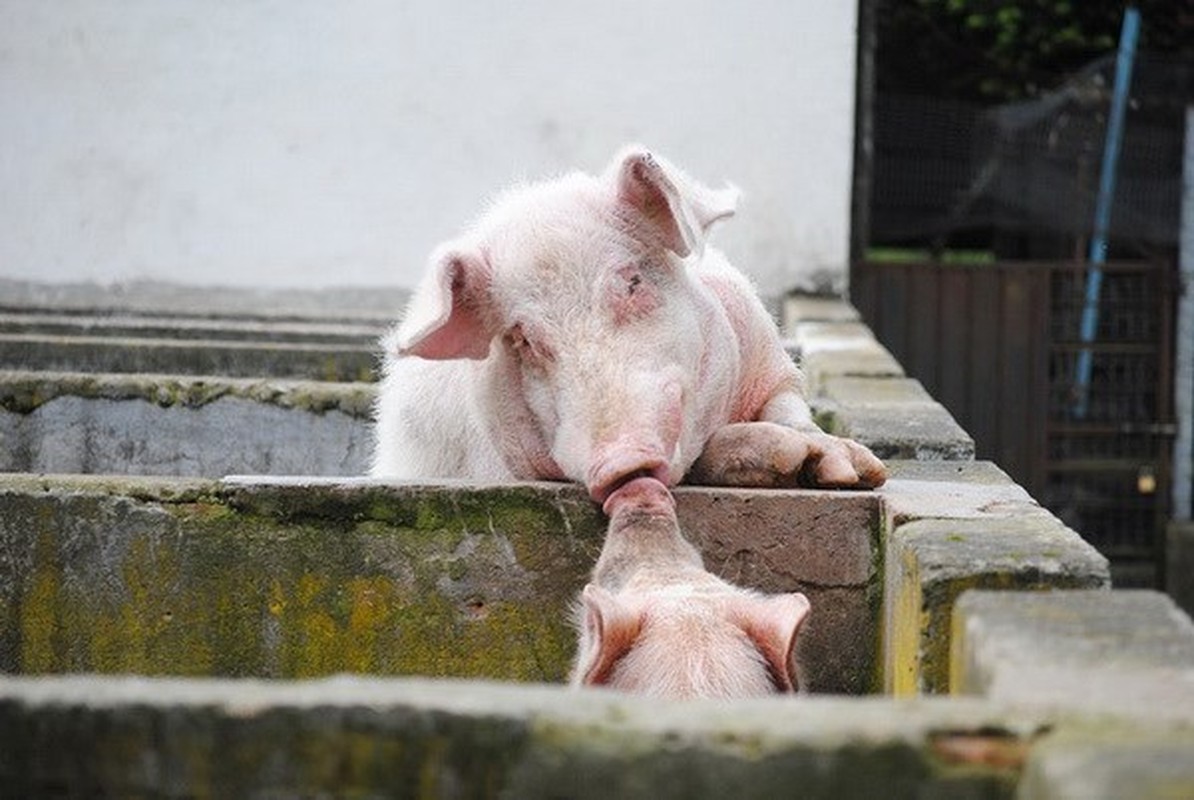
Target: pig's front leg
<point x="785" y="448"/>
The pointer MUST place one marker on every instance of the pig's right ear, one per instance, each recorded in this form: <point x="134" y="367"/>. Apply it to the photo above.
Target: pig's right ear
<point x="772" y="623"/>
<point x="678" y="209"/>
<point x="450" y="315"/>
<point x="609" y="630"/>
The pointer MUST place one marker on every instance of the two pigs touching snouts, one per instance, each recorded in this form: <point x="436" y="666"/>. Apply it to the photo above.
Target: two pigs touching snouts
<point x="581" y="330"/>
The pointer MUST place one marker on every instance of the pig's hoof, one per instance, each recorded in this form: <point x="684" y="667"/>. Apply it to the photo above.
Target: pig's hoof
<point x="837" y="463"/>
<point x="767" y="455"/>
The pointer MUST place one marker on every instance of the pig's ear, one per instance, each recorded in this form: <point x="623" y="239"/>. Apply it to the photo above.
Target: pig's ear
<point x="677" y="209"/>
<point x="450" y="314"/>
<point x="772" y="624"/>
<point x="609" y="630"/>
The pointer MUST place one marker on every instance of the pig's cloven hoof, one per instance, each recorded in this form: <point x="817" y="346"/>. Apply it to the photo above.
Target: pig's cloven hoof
<point x="767" y="455"/>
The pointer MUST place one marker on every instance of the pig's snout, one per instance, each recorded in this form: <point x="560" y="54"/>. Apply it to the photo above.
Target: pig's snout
<point x="641" y="494"/>
<point x="624" y="465"/>
<point x="642" y="450"/>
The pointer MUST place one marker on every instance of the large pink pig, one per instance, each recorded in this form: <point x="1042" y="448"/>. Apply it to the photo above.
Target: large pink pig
<point x="654" y="622"/>
<point x="581" y="330"/>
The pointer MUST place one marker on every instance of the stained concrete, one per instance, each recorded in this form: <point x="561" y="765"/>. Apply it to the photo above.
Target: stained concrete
<point x="286" y="577"/>
<point x="954" y="526"/>
<point x="1114" y="652"/>
<point x="186" y="426"/>
<point x="370" y="738"/>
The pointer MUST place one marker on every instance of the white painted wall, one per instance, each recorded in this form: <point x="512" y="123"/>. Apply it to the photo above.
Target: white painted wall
<point x="308" y="143"/>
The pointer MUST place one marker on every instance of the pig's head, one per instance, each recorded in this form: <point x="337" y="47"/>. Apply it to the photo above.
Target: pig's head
<point x="596" y="338"/>
<point x="687" y="641"/>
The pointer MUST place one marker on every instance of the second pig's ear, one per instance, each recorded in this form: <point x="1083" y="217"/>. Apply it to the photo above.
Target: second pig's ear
<point x="772" y="624"/>
<point x="677" y="209"/>
<point x="609" y="631"/>
<point x="450" y="314"/>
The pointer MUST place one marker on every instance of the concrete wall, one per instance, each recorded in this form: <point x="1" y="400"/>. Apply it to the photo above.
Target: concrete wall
<point x="306" y="143"/>
<point x="1081" y="694"/>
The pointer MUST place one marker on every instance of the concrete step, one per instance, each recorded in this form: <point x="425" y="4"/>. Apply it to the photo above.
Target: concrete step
<point x="375" y="304"/>
<point x="155" y="326"/>
<point x="238" y="359"/>
<point x="145" y="424"/>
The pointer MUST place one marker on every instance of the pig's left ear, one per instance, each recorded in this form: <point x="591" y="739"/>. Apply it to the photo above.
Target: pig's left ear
<point x="609" y="630"/>
<point x="676" y="209"/>
<point x="772" y="624"/>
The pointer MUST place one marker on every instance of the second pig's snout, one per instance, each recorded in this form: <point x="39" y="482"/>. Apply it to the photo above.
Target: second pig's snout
<point x="640" y="495"/>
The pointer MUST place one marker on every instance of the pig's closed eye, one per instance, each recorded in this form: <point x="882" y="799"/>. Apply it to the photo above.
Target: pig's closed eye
<point x="632" y="294"/>
<point x="528" y="349"/>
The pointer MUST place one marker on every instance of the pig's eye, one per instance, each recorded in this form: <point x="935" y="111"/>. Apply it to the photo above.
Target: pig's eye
<point x="527" y="349"/>
<point x="632" y="283"/>
<point x="633" y="294"/>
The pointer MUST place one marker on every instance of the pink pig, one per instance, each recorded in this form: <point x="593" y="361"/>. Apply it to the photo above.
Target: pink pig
<point x="582" y="330"/>
<point x="654" y="622"/>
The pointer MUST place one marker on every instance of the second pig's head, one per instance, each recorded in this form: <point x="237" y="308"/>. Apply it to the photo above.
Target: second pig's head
<point x="600" y="344"/>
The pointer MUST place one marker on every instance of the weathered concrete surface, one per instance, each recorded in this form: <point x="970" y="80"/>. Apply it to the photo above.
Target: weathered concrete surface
<point x="238" y="359"/>
<point x="895" y="415"/>
<point x="1111" y="763"/>
<point x="811" y="308"/>
<point x="1123" y="652"/>
<point x="124" y="324"/>
<point x="185" y="426"/>
<point x="299" y="577"/>
<point x="378" y="304"/>
<point x="844" y="348"/>
<point x="349" y="737"/>
<point x="857" y="389"/>
<point x="955" y="526"/>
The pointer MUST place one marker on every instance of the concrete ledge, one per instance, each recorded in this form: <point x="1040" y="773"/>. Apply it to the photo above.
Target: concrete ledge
<point x="373" y="304"/>
<point x="813" y="308"/>
<point x="134" y="424"/>
<point x="237" y="359"/>
<point x="403" y="738"/>
<point x="122" y="324"/>
<point x="1125" y="652"/>
<point x="1102" y="763"/>
<point x="827" y="349"/>
<point x="956" y="526"/>
<point x="300" y="577"/>
<point x="857" y="389"/>
<point x="894" y="416"/>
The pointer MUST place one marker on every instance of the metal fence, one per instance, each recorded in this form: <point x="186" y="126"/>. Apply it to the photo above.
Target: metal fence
<point x="997" y="345"/>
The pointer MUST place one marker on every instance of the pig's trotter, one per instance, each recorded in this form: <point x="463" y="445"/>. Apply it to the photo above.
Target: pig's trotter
<point x="769" y="455"/>
<point x="761" y="454"/>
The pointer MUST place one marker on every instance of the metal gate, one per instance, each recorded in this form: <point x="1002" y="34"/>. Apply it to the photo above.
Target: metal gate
<point x="997" y="344"/>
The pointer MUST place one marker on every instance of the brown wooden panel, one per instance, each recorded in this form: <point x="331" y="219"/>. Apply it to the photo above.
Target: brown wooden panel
<point x="956" y="318"/>
<point x="981" y="419"/>
<point x="1015" y="374"/>
<point x="922" y="329"/>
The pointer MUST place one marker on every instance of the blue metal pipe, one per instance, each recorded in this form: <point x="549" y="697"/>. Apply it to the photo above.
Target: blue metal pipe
<point x="1124" y="60"/>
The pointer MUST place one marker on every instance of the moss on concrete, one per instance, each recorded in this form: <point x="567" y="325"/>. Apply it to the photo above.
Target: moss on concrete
<point x="932" y="561"/>
<point x="24" y="392"/>
<point x="183" y="582"/>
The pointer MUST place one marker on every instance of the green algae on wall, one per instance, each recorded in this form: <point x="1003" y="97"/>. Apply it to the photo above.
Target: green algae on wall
<point x="245" y="584"/>
<point x="25" y="392"/>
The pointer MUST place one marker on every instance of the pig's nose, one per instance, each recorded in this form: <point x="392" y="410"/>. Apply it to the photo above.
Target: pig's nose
<point x="621" y="466"/>
<point x="641" y="494"/>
